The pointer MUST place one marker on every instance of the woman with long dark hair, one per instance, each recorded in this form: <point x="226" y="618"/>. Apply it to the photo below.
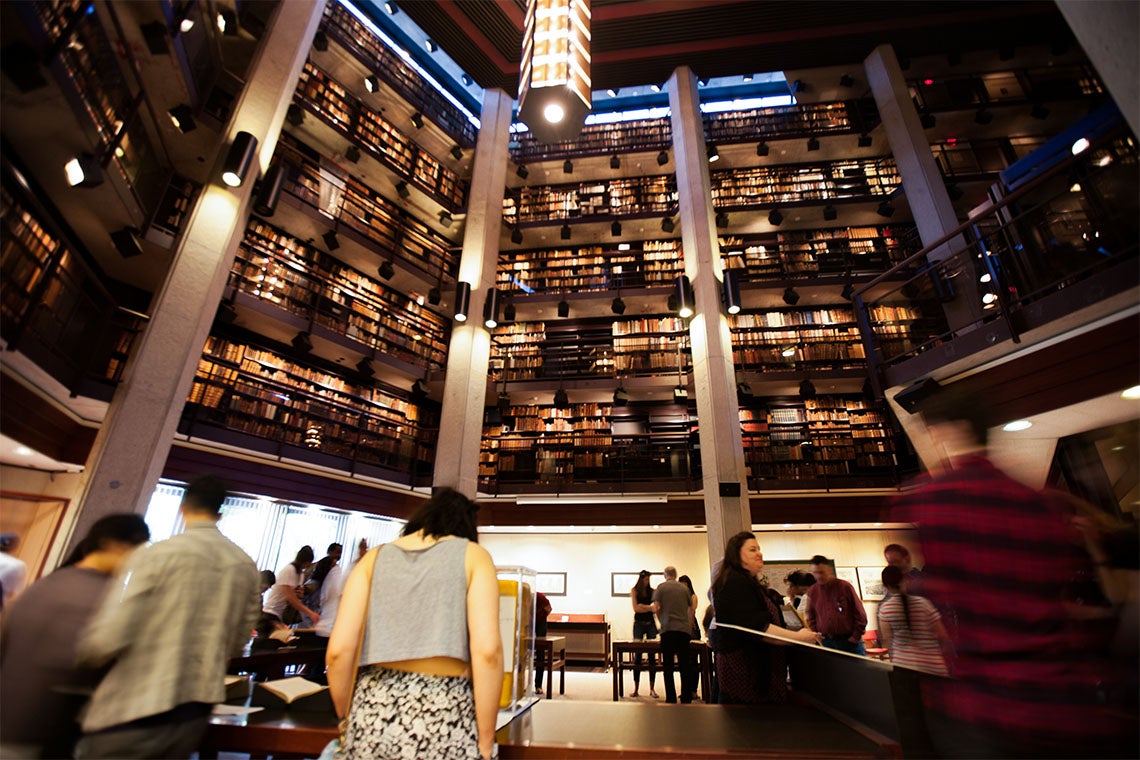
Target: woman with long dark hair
<point x="750" y="669"/>
<point x="911" y="627"/>
<point x="418" y="623"/>
<point x="41" y="689"/>
<point x="644" y="628"/>
<point x="285" y="593"/>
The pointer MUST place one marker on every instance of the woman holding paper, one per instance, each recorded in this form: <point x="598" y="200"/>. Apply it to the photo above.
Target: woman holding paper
<point x="415" y="660"/>
<point x="749" y="667"/>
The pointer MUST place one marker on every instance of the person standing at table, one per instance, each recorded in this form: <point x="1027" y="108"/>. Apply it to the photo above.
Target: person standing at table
<point x="418" y="627"/>
<point x="177" y="613"/>
<point x="644" y="628"/>
<point x="674" y="603"/>
<point x="284" y="594"/>
<point x="13" y="570"/>
<point x="835" y="610"/>
<point x="41" y="689"/>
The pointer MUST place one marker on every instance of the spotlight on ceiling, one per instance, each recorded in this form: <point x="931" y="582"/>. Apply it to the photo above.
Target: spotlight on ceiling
<point x="885" y="209"/>
<point x="491" y="309"/>
<point x="418" y="120"/>
<point x="846" y="81"/>
<point x="561" y="400"/>
<point x="621" y="396"/>
<point x="445" y="218"/>
<point x="522" y="171"/>
<point x="126" y="242"/>
<point x="467" y="80"/>
<point x="294" y="115"/>
<point x="372" y="84"/>
<point x="564" y="232"/>
<point x="430" y="46"/>
<point x="865" y="141"/>
<point x="618" y="306"/>
<point x="662" y="158"/>
<point x="435" y="295"/>
<point x="509" y="312"/>
<point x="391" y="8"/>
<point x="791" y="297"/>
<point x="563" y="309"/>
<point x="420" y="388"/>
<point x="238" y="159"/>
<point x="800" y="86"/>
<point x="331" y="241"/>
<point x="364" y="369"/>
<point x="615" y="161"/>
<point x="516" y="236"/>
<point x="927" y="120"/>
<point x="731" y="292"/>
<point x="812" y="144"/>
<point x="680" y="395"/>
<point x="848" y="292"/>
<point x="984" y="116"/>
<point x="684" y="293"/>
<point x="567" y="167"/>
<point x="615" y="228"/>
<point x="352" y="153"/>
<point x="830" y="213"/>
<point x="762" y="149"/>
<point x="743" y="391"/>
<point x="712" y="153"/>
<point x="721" y="219"/>
<point x="183" y="118"/>
<point x="667" y="224"/>
<point x="775" y="218"/>
<point x="807" y="389"/>
<point x="402" y="189"/>
<point x="227" y="22"/>
<point x="462" y="300"/>
<point x="269" y="191"/>
<point x="386" y="269"/>
<point x="456" y="152"/>
<point x="302" y="342"/>
<point x="320" y="41"/>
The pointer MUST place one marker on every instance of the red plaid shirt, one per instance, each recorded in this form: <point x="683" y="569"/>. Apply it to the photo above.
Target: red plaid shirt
<point x="998" y="556"/>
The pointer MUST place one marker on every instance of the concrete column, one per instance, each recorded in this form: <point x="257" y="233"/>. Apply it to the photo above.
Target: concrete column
<point x="131" y="448"/>
<point x="925" y="190"/>
<point x="722" y="451"/>
<point x="468" y="356"/>
<point x="1107" y="30"/>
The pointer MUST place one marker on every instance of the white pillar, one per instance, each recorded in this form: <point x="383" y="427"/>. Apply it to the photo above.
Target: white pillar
<point x="468" y="356"/>
<point x="131" y="448"/>
<point x="714" y="375"/>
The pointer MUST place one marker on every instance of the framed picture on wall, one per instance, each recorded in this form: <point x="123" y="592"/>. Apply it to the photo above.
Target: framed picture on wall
<point x="621" y="583"/>
<point x="777" y="569"/>
<point x="551" y="584"/>
<point x="871" y="587"/>
<point x="848" y="574"/>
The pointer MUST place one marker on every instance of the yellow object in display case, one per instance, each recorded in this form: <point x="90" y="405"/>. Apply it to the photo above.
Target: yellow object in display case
<point x="516" y="625"/>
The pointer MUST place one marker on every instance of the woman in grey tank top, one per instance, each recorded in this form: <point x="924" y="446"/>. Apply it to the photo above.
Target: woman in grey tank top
<point x="420" y="616"/>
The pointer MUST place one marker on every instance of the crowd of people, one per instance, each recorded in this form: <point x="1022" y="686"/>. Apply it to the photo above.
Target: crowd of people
<point x="1022" y="622"/>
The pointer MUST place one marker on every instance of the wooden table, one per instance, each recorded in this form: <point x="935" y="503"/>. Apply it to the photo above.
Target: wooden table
<point x="272" y="664"/>
<point x="546" y="645"/>
<point x="652" y="647"/>
<point x="587" y="635"/>
<point x="269" y="732"/>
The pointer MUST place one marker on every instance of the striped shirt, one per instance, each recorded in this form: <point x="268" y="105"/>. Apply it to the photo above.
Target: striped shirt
<point x="913" y="643"/>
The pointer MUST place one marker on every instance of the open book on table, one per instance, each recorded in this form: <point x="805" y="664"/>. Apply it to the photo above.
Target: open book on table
<point x="294" y="693"/>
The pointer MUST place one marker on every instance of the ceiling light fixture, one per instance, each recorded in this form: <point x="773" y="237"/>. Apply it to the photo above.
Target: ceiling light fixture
<point x="270" y="190"/>
<point x="564" y="232"/>
<point x="295" y="115"/>
<point x="621" y="396"/>
<point x="227" y="22"/>
<point x="983" y="116"/>
<point x="848" y="292"/>
<point x="491" y="309"/>
<point x="662" y="158"/>
<point x="721" y="219"/>
<point x="430" y="46"/>
<point x="561" y="399"/>
<point x="667" y="224"/>
<point x="812" y="144"/>
<point x="865" y="141"/>
<point x="1016" y="426"/>
<point x="775" y="218"/>
<point x="615" y="161"/>
<point x="302" y="342"/>
<point x="731" y="292"/>
<point x="615" y="228"/>
<point x="435" y="295"/>
<point x="386" y="269"/>
<point x="371" y="83"/>
<point x="927" y="120"/>
<point x="684" y="293"/>
<point x="402" y="189"/>
<point x="320" y="41"/>
<point x="846" y="81"/>
<point x="830" y="213"/>
<point x="352" y="153"/>
<point x="516" y="236"/>
<point x="456" y="152"/>
<point x="567" y="167"/>
<point x="84" y="171"/>
<point x="791" y="297"/>
<point x="183" y="118"/>
<point x="522" y="171"/>
<point x="554" y="73"/>
<point x="762" y="149"/>
<point x="563" y="308"/>
<point x="618" y="306"/>
<point x="712" y="153"/>
<point x="509" y="312"/>
<point x="364" y="368"/>
<point x="1039" y="111"/>
<point x="885" y="209"/>
<point x="462" y="300"/>
<point x="445" y="218"/>
<point x="807" y="390"/>
<point x="418" y="120"/>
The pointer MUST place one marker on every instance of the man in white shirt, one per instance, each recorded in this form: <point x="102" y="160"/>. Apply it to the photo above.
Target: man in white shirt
<point x="13" y="570"/>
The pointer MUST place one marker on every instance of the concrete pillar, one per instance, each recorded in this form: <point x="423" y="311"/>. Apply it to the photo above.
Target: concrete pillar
<point x="1107" y="30"/>
<point x="925" y="190"/>
<point x="468" y="357"/>
<point x="131" y="448"/>
<point x="714" y="376"/>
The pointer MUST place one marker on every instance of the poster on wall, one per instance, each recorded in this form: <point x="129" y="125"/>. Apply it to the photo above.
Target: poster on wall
<point x="871" y="587"/>
<point x="778" y="569"/>
<point x="848" y="574"/>
<point x="551" y="584"/>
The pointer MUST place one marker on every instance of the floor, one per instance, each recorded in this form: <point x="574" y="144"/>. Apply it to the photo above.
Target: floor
<point x="597" y="684"/>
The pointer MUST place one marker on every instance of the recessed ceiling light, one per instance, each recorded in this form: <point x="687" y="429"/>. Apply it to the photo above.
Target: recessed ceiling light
<point x="1080" y="146"/>
<point x="1016" y="425"/>
<point x="24" y="451"/>
<point x="878" y="525"/>
<point x="1131" y="393"/>
<point x="787" y="525"/>
<point x="831" y="525"/>
<point x="553" y="113"/>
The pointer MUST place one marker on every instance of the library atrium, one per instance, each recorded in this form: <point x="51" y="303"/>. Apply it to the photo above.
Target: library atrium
<point x="337" y="254"/>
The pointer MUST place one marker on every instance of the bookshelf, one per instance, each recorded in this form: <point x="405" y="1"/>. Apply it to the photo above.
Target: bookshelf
<point x="293" y="407"/>
<point x="632" y="196"/>
<point x="841" y="440"/>
<point x="797" y="254"/>
<point x="276" y="267"/>
<point x="793" y="121"/>
<point x="848" y="179"/>
<point x="349" y="117"/>
<point x="646" y="263"/>
<point x="598" y="140"/>
<point x="366" y="47"/>
<point x="381" y="224"/>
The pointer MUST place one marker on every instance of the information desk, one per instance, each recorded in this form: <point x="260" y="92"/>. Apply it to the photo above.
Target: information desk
<point x="644" y="730"/>
<point x="547" y="645"/>
<point x="587" y="635"/>
<point x="623" y="652"/>
<point x="598" y="730"/>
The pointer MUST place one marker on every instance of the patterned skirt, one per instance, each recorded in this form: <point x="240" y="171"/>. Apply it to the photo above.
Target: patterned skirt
<point x="397" y="715"/>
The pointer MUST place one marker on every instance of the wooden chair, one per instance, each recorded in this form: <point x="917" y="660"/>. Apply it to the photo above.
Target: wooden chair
<point x="871" y="643"/>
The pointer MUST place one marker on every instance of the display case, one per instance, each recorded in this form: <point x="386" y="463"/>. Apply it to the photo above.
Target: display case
<point x="516" y="624"/>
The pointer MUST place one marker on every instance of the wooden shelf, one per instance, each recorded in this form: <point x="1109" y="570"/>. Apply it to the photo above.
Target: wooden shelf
<point x="849" y="179"/>
<point x="805" y="253"/>
<point x="633" y="196"/>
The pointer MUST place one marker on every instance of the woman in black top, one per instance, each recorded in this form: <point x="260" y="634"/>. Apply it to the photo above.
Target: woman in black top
<point x="749" y="668"/>
<point x="644" y="627"/>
